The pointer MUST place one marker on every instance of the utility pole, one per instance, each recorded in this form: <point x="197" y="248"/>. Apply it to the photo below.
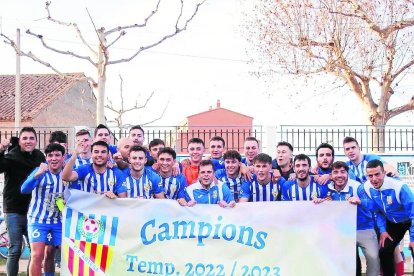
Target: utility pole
<point x="17" y="92"/>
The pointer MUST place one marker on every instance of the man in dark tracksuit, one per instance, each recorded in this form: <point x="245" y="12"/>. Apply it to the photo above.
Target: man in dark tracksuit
<point x="16" y="165"/>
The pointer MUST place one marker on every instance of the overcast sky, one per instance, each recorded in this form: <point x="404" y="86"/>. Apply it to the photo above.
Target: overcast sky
<point x="206" y="62"/>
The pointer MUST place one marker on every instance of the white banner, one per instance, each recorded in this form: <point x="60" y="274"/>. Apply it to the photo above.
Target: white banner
<point x="129" y="236"/>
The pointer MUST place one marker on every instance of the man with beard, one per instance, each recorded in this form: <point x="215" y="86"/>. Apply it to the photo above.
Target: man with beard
<point x="174" y="186"/>
<point x="325" y="155"/>
<point x="142" y="182"/>
<point x="191" y="168"/>
<point x="44" y="218"/>
<point x="283" y="161"/>
<point x="304" y="187"/>
<point x="16" y="165"/>
<point x="231" y="175"/>
<point x="207" y="191"/>
<point x="262" y="187"/>
<point x="341" y="188"/>
<point x="96" y="177"/>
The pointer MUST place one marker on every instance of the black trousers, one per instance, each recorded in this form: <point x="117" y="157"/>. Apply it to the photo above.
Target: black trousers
<point x="386" y="253"/>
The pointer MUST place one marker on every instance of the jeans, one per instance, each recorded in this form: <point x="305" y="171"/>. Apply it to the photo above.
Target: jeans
<point x="367" y="240"/>
<point x="16" y="227"/>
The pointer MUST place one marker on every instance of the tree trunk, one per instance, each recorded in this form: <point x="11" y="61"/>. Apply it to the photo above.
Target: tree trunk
<point x="376" y="135"/>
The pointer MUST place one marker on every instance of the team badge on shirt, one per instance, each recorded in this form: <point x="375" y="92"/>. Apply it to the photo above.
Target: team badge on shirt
<point x="215" y="194"/>
<point x="274" y="192"/>
<point x="173" y="188"/>
<point x="389" y="200"/>
<point x="111" y="182"/>
<point x="347" y="196"/>
<point x="147" y="187"/>
<point x="314" y="195"/>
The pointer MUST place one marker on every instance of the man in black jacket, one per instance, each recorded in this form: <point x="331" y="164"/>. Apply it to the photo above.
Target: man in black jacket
<point x="16" y="165"/>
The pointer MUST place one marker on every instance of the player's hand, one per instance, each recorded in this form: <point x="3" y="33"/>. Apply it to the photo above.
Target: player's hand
<point x="318" y="200"/>
<point x="314" y="170"/>
<point x="276" y="176"/>
<point x="79" y="146"/>
<point x="232" y="204"/>
<point x="244" y="170"/>
<point x="323" y="179"/>
<point x="186" y="162"/>
<point x="42" y="169"/>
<point x="5" y="143"/>
<point x="191" y="203"/>
<point x="118" y="157"/>
<point x="182" y="202"/>
<point x="176" y="169"/>
<point x="222" y="204"/>
<point x="354" y="200"/>
<point x="292" y="176"/>
<point x="383" y="237"/>
<point x="110" y="194"/>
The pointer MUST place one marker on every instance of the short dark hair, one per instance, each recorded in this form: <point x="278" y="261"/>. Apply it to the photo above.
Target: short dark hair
<point x="251" y="138"/>
<point x="232" y="154"/>
<point x="339" y="165"/>
<point x="58" y="136"/>
<point x="302" y="157"/>
<point x="169" y="151"/>
<point x="375" y="163"/>
<point x="206" y="162"/>
<point x="54" y="147"/>
<point x="82" y="132"/>
<point x="28" y="129"/>
<point x="284" y="143"/>
<point x="262" y="158"/>
<point x="218" y="138"/>
<point x="100" y="126"/>
<point x="155" y="142"/>
<point x="196" y="140"/>
<point x="100" y="143"/>
<point x="139" y="148"/>
<point x="325" y="146"/>
<point x="136" y="127"/>
<point x="349" y="140"/>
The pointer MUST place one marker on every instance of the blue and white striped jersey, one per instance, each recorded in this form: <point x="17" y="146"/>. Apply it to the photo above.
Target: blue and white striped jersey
<point x="80" y="161"/>
<point x="234" y="184"/>
<point x="174" y="186"/>
<point x="213" y="195"/>
<point x="358" y="170"/>
<point x="292" y="191"/>
<point x="44" y="191"/>
<point x="255" y="191"/>
<point x="146" y="186"/>
<point x="92" y="182"/>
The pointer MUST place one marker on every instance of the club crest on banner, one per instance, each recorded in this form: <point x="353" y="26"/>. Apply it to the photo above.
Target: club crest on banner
<point x="88" y="242"/>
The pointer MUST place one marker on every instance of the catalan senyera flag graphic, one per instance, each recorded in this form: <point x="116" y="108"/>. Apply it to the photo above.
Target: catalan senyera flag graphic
<point x="88" y="242"/>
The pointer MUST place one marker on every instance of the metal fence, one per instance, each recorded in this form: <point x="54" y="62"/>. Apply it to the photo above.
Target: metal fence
<point x="387" y="139"/>
<point x="303" y="138"/>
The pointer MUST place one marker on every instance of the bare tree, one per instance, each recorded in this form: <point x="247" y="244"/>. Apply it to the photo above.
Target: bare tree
<point x="99" y="57"/>
<point x="366" y="44"/>
<point x="122" y="109"/>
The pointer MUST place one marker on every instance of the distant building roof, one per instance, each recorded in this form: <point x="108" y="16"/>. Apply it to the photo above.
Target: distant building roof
<point x="218" y="107"/>
<point x="37" y="92"/>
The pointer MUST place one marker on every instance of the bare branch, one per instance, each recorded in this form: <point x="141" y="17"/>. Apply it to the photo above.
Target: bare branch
<point x="398" y="110"/>
<point x="40" y="37"/>
<point x="46" y="64"/>
<point x="159" y="117"/>
<point x="402" y="69"/>
<point x="177" y="31"/>
<point x="120" y="28"/>
<point x="74" y="25"/>
<point x="121" y="34"/>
